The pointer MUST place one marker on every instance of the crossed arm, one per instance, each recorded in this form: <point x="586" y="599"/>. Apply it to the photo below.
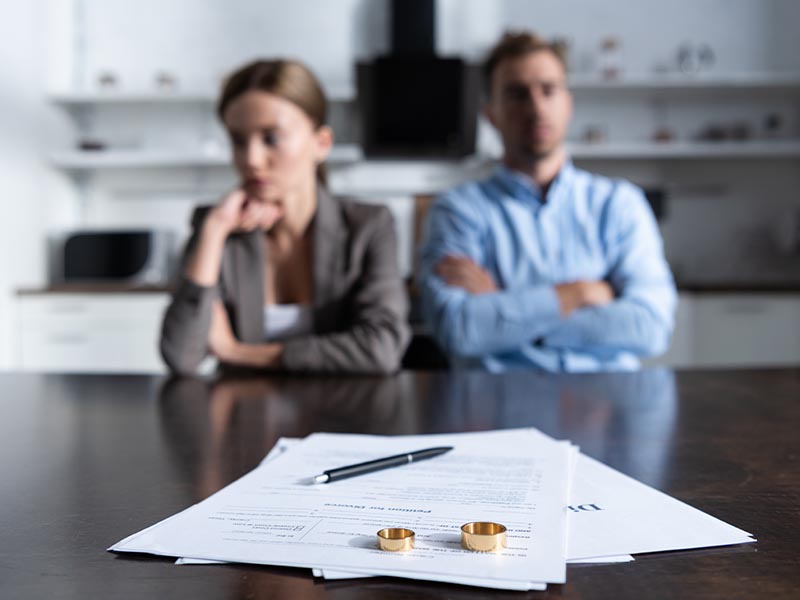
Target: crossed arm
<point x="630" y="310"/>
<point x="462" y="272"/>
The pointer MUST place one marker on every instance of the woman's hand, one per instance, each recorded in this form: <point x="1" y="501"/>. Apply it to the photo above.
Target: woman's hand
<point x="236" y="212"/>
<point x="221" y="340"/>
<point x="239" y="212"/>
<point x="227" y="349"/>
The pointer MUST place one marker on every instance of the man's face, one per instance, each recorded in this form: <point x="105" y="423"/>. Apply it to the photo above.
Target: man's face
<point x="530" y="106"/>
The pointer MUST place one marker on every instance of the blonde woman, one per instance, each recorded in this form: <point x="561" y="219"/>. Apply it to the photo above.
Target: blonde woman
<point x="280" y="274"/>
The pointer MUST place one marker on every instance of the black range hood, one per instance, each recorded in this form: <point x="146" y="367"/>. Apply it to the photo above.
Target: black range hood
<point x="413" y="28"/>
<point x="414" y="104"/>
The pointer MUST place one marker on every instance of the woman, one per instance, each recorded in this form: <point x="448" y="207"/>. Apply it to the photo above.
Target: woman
<point x="279" y="274"/>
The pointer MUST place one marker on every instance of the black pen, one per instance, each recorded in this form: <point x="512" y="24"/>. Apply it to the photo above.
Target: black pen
<point x="381" y="463"/>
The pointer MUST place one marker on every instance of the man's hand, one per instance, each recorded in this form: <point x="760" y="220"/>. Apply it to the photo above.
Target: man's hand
<point x="463" y="272"/>
<point x="579" y="294"/>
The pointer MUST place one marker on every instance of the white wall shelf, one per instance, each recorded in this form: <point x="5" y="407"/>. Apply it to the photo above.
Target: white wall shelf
<point x="131" y="97"/>
<point x="351" y="153"/>
<point x="679" y="82"/>
<point x="335" y="93"/>
<point x="686" y="150"/>
<point x="133" y="159"/>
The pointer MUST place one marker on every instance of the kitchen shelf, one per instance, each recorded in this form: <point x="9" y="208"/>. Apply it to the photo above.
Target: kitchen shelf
<point x="133" y="159"/>
<point x="335" y="93"/>
<point x="681" y="150"/>
<point x="679" y="82"/>
<point x="142" y="97"/>
<point x="352" y="153"/>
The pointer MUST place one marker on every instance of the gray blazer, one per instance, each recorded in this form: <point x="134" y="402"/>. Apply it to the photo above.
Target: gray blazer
<point x="360" y="305"/>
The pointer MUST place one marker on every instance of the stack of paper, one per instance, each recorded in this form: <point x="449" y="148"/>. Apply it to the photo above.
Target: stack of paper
<point x="520" y="478"/>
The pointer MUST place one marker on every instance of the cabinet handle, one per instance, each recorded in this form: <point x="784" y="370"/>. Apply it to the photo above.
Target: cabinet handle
<point x="745" y="309"/>
<point x="68" y="338"/>
<point x="68" y="309"/>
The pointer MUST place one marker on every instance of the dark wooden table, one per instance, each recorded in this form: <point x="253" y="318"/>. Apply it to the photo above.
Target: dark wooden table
<point x="87" y="460"/>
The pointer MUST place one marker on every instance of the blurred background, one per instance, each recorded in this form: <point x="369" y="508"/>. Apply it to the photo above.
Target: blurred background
<point x="108" y="139"/>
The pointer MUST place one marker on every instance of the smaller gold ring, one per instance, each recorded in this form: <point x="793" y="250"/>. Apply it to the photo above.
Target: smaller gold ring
<point x="395" y="539"/>
<point x="482" y="536"/>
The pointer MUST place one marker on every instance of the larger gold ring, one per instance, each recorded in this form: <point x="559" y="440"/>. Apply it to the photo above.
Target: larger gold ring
<point x="395" y="539"/>
<point x="482" y="536"/>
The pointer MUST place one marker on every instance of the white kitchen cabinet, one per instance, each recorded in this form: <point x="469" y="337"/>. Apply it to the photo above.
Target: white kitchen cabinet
<point x="729" y="330"/>
<point x="746" y="329"/>
<point x="118" y="332"/>
<point x="91" y="332"/>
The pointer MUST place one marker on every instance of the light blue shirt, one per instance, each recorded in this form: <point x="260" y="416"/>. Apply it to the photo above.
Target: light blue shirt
<point x="589" y="228"/>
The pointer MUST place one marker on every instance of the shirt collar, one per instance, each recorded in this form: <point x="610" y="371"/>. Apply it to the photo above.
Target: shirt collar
<point x="521" y="186"/>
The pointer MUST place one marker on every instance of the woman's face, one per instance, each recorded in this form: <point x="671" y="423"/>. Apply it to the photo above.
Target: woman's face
<point x="275" y="146"/>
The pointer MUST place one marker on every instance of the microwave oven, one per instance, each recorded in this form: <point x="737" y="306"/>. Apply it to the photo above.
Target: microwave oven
<point x="135" y="257"/>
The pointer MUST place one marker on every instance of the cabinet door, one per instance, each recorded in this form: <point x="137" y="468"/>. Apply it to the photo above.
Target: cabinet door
<point x="741" y="330"/>
<point x="102" y="333"/>
<point x="91" y="350"/>
<point x="43" y="310"/>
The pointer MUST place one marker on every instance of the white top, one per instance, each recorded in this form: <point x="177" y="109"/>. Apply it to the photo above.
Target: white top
<point x="282" y="321"/>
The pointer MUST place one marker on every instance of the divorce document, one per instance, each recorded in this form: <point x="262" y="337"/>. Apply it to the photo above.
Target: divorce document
<point x="274" y="516"/>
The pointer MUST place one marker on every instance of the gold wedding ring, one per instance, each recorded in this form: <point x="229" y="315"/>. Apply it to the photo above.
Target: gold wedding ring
<point x="482" y="536"/>
<point x="395" y="539"/>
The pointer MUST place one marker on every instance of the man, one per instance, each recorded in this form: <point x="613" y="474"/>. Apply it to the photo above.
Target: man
<point x="542" y="264"/>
